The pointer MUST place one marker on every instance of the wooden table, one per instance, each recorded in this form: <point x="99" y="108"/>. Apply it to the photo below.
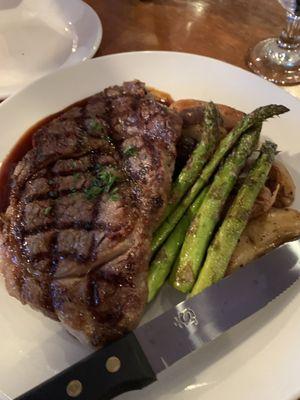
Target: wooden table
<point x="222" y="29"/>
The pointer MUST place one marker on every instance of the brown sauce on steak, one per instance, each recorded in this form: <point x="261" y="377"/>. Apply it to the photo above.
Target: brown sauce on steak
<point x="23" y="145"/>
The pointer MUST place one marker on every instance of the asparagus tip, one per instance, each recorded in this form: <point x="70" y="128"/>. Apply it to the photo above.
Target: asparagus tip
<point x="278" y="109"/>
<point x="282" y="109"/>
<point x="269" y="148"/>
<point x="210" y="111"/>
<point x="265" y="112"/>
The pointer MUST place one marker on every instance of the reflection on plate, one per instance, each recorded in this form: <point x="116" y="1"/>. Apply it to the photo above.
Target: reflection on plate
<point x="260" y="358"/>
<point x="37" y="37"/>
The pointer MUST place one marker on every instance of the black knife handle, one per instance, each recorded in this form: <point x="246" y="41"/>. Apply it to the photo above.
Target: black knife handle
<point x="90" y="378"/>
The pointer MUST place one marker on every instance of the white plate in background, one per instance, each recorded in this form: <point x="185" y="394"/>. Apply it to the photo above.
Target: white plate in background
<point x="258" y="359"/>
<point x="39" y="36"/>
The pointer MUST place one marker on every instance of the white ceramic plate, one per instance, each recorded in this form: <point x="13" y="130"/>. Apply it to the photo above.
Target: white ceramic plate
<point x="39" y="36"/>
<point x="258" y="359"/>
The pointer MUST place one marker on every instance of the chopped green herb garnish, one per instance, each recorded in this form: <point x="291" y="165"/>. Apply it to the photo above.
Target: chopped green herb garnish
<point x="130" y="151"/>
<point x="93" y="192"/>
<point x="96" y="126"/>
<point x="50" y="181"/>
<point x="74" y="165"/>
<point x="47" y="210"/>
<point x="102" y="183"/>
<point x="107" y="138"/>
<point x="107" y="179"/>
<point x="95" y="182"/>
<point x="114" y="195"/>
<point x="73" y="189"/>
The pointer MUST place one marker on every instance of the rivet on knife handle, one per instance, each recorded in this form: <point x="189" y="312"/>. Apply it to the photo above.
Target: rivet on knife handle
<point x="74" y="388"/>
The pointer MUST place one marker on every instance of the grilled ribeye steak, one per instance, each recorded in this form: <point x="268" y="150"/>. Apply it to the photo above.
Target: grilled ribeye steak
<point x="83" y="204"/>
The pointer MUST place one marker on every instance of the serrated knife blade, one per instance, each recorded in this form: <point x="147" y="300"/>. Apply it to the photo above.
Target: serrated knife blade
<point x="203" y="318"/>
<point x="134" y="361"/>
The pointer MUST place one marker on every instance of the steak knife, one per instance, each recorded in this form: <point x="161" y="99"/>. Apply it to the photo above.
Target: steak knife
<point x="135" y="360"/>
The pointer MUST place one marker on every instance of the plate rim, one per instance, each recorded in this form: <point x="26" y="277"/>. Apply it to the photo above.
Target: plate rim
<point x="137" y="52"/>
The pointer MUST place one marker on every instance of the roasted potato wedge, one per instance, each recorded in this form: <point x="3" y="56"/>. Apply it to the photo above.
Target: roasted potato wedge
<point x="163" y="97"/>
<point x="264" y="234"/>
<point x="230" y="116"/>
<point x="280" y="176"/>
<point x="264" y="201"/>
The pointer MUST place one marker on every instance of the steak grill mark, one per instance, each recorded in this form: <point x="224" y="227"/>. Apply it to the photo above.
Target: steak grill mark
<point x="56" y="226"/>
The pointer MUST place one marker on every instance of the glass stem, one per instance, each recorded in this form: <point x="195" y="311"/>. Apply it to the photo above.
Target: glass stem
<point x="290" y="36"/>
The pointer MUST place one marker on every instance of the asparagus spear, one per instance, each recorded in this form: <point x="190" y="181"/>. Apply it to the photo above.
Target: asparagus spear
<point x="162" y="263"/>
<point x="226" y="239"/>
<point x="257" y="116"/>
<point x="198" y="159"/>
<point x="206" y="219"/>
